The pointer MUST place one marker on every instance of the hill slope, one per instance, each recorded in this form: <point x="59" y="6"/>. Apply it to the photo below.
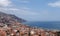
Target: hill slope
<point x="8" y="18"/>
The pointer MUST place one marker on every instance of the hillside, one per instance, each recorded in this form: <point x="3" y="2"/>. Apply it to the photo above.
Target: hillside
<point x="9" y="18"/>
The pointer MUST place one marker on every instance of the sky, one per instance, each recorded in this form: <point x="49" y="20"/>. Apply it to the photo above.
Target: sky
<point x="32" y="10"/>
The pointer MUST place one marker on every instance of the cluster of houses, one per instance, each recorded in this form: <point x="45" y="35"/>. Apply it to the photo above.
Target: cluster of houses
<point x="17" y="29"/>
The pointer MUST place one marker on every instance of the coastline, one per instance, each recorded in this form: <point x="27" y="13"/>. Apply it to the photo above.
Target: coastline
<point x="33" y="31"/>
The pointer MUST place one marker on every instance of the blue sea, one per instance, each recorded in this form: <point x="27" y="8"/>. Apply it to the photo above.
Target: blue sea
<point x="48" y="25"/>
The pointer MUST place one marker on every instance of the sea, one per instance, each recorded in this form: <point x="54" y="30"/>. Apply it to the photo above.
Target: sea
<point x="44" y="24"/>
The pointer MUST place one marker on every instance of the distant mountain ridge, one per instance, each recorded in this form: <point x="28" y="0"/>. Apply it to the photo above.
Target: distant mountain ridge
<point x="7" y="18"/>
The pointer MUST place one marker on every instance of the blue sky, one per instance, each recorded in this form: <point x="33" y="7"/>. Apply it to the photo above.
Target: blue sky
<point x="32" y="10"/>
